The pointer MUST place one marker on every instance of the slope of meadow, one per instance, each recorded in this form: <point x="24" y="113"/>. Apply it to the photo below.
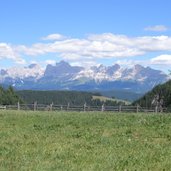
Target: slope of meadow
<point x="84" y="141"/>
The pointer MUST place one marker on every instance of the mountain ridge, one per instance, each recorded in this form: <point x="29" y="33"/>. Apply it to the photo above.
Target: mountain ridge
<point x="63" y="76"/>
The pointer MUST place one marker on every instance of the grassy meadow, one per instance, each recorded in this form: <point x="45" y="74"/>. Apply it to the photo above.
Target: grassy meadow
<point x="84" y="141"/>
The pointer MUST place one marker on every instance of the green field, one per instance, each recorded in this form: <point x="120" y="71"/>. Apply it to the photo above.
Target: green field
<point x="84" y="141"/>
<point x="104" y="99"/>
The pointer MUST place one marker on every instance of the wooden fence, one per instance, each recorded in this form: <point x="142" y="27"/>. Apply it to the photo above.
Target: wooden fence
<point x="52" y="107"/>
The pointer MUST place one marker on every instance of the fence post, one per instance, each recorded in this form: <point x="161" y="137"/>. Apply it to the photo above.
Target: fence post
<point x="161" y="109"/>
<point x="120" y="108"/>
<point x="156" y="109"/>
<point x="85" y="105"/>
<point x="61" y="107"/>
<point x="35" y="105"/>
<point x="103" y="108"/>
<point x="51" y="106"/>
<point x="137" y="108"/>
<point x="18" y="106"/>
<point x="68" y="106"/>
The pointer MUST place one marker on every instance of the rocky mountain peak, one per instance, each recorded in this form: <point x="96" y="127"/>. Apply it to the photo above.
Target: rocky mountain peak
<point x="31" y="66"/>
<point x="64" y="76"/>
<point x="60" y="69"/>
<point x="138" y="67"/>
<point x="62" y="64"/>
<point x="3" y="72"/>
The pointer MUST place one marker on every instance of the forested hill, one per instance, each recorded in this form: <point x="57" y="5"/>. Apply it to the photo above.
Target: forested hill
<point x="62" y="97"/>
<point x="164" y="92"/>
<point x="8" y="96"/>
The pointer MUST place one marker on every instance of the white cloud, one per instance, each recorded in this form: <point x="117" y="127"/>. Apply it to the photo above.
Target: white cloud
<point x="91" y="48"/>
<point x="126" y="62"/>
<point x="54" y="37"/>
<point x="20" y="61"/>
<point x="100" y="46"/>
<point x="161" y="60"/>
<point x="84" y="48"/>
<point x="8" y="52"/>
<point x="157" y="28"/>
<point x="85" y="64"/>
<point x="52" y="62"/>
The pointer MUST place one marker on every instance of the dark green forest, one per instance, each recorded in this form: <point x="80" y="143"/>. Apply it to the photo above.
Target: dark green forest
<point x="62" y="98"/>
<point x="8" y="96"/>
<point x="163" y="91"/>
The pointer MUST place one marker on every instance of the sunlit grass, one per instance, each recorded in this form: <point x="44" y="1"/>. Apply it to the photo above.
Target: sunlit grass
<point x="84" y="141"/>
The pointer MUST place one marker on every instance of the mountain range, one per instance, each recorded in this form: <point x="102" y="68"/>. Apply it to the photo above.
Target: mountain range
<point x="63" y="76"/>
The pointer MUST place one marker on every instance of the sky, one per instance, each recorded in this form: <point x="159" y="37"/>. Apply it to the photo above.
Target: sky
<point x="85" y="32"/>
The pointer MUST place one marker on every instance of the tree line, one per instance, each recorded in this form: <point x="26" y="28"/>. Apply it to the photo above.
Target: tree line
<point x="8" y="96"/>
<point x="164" y="93"/>
<point x="63" y="98"/>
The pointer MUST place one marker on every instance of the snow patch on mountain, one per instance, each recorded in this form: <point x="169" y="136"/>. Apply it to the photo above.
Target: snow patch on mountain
<point x="64" y="76"/>
<point x="32" y="70"/>
<point x="116" y="73"/>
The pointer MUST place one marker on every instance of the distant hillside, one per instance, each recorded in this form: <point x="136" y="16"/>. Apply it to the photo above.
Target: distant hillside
<point x="63" y="98"/>
<point x="164" y="92"/>
<point x="122" y="94"/>
<point x="104" y="99"/>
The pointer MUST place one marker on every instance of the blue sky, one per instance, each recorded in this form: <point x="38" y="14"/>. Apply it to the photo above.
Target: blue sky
<point x="85" y="32"/>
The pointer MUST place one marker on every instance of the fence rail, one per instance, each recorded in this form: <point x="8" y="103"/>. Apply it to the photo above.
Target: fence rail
<point x="53" y="107"/>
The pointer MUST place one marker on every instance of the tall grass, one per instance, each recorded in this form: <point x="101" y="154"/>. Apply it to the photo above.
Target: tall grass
<point x="84" y="141"/>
